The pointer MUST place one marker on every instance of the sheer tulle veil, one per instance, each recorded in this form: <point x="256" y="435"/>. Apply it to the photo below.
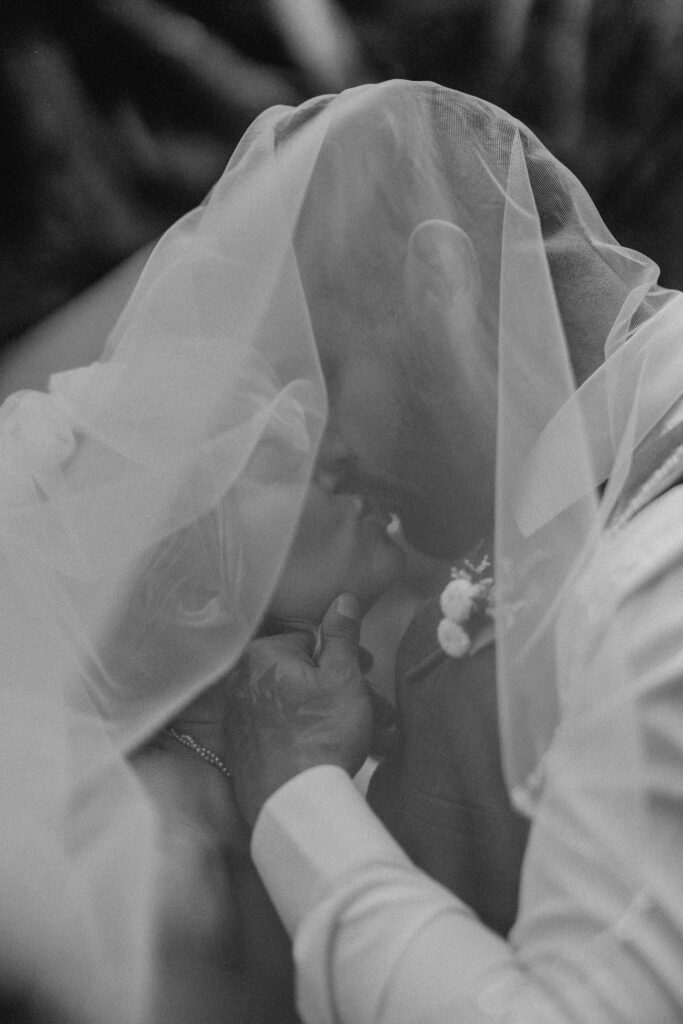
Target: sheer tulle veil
<point x="149" y="500"/>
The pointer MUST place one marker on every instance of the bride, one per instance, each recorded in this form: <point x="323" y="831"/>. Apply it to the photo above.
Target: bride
<point x="159" y="508"/>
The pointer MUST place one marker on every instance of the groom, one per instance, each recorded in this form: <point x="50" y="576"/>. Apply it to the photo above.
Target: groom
<point x="403" y="442"/>
<point x="441" y="792"/>
<point x="411" y="439"/>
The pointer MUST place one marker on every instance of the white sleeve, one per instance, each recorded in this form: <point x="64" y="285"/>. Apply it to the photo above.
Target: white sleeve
<point x="372" y="934"/>
<point x="599" y="935"/>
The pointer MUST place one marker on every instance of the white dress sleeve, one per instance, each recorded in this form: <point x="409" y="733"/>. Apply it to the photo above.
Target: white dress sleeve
<point x="599" y="935"/>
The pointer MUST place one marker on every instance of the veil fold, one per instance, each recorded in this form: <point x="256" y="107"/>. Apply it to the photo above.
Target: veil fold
<point x="149" y="500"/>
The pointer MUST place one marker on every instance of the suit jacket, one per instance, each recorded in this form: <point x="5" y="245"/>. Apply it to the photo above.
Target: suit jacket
<point x="441" y="792"/>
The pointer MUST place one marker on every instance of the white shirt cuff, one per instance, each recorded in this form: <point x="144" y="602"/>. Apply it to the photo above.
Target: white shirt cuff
<point x="310" y="832"/>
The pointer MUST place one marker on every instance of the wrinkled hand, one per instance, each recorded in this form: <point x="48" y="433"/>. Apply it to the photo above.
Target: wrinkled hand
<point x="286" y="713"/>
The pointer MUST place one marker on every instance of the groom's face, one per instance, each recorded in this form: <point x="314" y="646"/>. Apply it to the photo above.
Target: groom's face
<point x="408" y="452"/>
<point x="411" y="443"/>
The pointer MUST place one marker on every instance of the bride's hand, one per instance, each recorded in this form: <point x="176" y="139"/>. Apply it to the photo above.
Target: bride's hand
<point x="285" y="713"/>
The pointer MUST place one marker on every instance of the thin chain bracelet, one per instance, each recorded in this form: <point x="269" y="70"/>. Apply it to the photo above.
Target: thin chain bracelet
<point x="203" y="752"/>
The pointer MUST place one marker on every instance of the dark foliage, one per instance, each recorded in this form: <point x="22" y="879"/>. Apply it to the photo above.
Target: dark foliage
<point x="119" y="114"/>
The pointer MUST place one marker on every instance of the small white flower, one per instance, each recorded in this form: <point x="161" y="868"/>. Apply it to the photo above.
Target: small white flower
<point x="458" y="599"/>
<point x="453" y="639"/>
<point x="484" y="564"/>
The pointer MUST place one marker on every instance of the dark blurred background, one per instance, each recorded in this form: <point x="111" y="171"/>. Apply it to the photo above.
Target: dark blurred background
<point x="118" y="115"/>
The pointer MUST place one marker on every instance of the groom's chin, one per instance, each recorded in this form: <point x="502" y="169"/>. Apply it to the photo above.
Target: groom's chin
<point x="441" y="532"/>
<point x="431" y="535"/>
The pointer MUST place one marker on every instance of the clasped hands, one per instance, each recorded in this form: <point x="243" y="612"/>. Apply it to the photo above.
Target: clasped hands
<point x="274" y="715"/>
<point x="285" y="713"/>
<point x="279" y="712"/>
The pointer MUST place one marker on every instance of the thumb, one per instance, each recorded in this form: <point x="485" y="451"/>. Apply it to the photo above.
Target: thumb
<point x="340" y="634"/>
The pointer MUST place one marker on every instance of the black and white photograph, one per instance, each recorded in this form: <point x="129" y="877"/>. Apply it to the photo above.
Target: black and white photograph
<point x="341" y="512"/>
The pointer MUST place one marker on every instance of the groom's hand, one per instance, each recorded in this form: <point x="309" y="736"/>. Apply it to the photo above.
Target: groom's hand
<point x="286" y="713"/>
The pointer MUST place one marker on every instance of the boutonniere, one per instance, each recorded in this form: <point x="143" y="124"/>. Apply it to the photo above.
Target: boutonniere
<point x="466" y="599"/>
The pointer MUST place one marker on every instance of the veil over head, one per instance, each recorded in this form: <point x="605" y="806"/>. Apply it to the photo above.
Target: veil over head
<point x="149" y="500"/>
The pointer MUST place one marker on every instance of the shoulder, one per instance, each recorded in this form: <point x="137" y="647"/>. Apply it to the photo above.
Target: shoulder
<point x="606" y="839"/>
<point x="628" y="596"/>
<point x="638" y="560"/>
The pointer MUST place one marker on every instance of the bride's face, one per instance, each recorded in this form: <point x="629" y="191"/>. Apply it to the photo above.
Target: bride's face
<point x="341" y="545"/>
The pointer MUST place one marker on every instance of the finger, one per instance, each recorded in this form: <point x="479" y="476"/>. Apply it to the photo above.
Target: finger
<point x="340" y="633"/>
<point x="306" y="627"/>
